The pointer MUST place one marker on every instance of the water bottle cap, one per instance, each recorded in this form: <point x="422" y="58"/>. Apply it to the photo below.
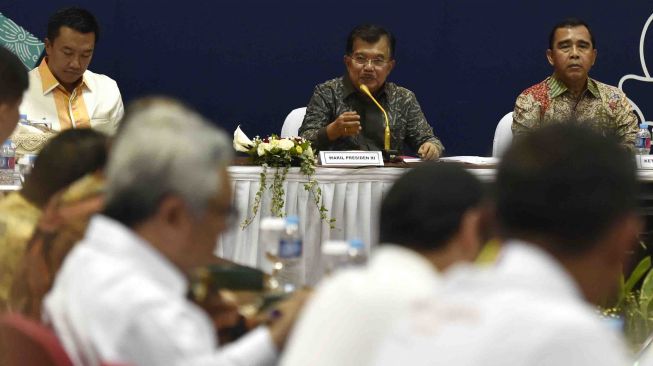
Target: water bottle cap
<point x="272" y="223"/>
<point x="22" y="116"/>
<point x="292" y="220"/>
<point x="356" y="244"/>
<point x="334" y="247"/>
<point x="643" y="125"/>
<point x="7" y="142"/>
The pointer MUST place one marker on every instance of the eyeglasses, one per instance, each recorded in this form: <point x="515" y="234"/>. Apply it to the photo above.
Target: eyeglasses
<point x="230" y="213"/>
<point x="376" y="61"/>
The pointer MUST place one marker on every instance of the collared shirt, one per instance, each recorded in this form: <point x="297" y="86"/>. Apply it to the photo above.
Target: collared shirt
<point x="601" y="106"/>
<point x="336" y="96"/>
<point x="118" y="299"/>
<point x="349" y="313"/>
<point x="525" y="311"/>
<point x="95" y="102"/>
<point x="18" y="218"/>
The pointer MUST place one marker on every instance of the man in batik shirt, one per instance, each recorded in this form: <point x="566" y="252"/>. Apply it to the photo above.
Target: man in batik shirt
<point x="570" y="95"/>
<point x="340" y="117"/>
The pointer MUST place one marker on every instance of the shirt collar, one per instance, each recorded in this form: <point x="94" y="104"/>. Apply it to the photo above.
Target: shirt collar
<point x="525" y="262"/>
<point x="115" y="239"/>
<point x="19" y="200"/>
<point x="390" y="255"/>
<point x="592" y="87"/>
<point x="557" y="87"/>
<point x="49" y="82"/>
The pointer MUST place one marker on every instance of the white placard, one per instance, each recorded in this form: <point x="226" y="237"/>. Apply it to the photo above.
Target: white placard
<point x="351" y="158"/>
<point x="644" y="161"/>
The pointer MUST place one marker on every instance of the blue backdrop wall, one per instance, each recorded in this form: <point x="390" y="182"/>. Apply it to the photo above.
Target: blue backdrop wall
<point x="249" y="62"/>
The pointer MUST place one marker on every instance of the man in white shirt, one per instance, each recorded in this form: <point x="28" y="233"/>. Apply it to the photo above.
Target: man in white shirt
<point x="13" y="83"/>
<point x="566" y="203"/>
<point x="430" y="219"/>
<point x="121" y="293"/>
<point x="62" y="90"/>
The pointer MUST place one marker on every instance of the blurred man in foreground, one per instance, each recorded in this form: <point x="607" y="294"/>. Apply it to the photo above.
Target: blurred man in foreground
<point x="13" y="83"/>
<point x="430" y="219"/>
<point x="64" y="159"/>
<point x="566" y="202"/>
<point x="121" y="293"/>
<point x="571" y="94"/>
<point x="340" y="117"/>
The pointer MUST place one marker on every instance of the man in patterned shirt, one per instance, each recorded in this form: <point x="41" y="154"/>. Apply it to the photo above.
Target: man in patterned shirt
<point x="569" y="94"/>
<point x="340" y="117"/>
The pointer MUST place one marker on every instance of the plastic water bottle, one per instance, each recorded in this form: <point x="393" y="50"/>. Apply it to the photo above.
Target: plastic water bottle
<point x="269" y="237"/>
<point x="335" y="254"/>
<point x="8" y="156"/>
<point x="643" y="140"/>
<point x="357" y="253"/>
<point x="290" y="256"/>
<point x="25" y="165"/>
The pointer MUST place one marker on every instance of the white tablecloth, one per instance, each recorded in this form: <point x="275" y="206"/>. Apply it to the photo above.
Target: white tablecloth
<point x="352" y="197"/>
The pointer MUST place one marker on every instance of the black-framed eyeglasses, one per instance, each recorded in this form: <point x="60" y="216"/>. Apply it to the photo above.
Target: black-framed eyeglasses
<point x="230" y="213"/>
<point x="374" y="61"/>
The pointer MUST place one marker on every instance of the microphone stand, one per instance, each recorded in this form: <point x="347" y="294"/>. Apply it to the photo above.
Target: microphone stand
<point x="389" y="155"/>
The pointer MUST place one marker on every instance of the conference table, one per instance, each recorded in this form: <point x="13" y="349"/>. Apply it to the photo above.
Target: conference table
<point x="351" y="195"/>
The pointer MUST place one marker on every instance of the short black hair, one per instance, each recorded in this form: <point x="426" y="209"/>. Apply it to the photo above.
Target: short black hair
<point x="13" y="77"/>
<point x="75" y="18"/>
<point x="423" y="209"/>
<point x="67" y="157"/>
<point x="564" y="185"/>
<point x="369" y="33"/>
<point x="570" y="23"/>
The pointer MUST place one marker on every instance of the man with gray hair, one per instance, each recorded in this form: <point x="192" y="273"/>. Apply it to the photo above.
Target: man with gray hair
<point x="121" y="293"/>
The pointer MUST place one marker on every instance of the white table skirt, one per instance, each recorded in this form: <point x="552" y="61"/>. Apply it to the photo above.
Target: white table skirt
<point x="352" y="196"/>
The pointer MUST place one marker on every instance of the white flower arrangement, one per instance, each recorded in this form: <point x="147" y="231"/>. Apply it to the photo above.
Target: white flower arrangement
<point x="280" y="154"/>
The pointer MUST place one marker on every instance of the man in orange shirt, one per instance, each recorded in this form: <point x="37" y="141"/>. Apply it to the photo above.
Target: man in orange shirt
<point x="63" y="91"/>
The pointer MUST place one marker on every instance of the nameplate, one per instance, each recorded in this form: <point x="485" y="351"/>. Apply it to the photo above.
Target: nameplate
<point x="644" y="161"/>
<point x="351" y="158"/>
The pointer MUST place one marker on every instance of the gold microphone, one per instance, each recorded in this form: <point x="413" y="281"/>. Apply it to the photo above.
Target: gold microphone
<point x="386" y="139"/>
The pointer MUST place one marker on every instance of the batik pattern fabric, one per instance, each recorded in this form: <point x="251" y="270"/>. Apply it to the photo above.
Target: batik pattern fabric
<point x="408" y="125"/>
<point x="18" y="218"/>
<point x="602" y="107"/>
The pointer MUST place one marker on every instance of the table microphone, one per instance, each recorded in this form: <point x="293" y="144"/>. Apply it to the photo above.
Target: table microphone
<point x="386" y="139"/>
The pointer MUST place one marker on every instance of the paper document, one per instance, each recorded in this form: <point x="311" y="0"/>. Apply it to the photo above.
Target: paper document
<point x="476" y="160"/>
<point x="410" y="159"/>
